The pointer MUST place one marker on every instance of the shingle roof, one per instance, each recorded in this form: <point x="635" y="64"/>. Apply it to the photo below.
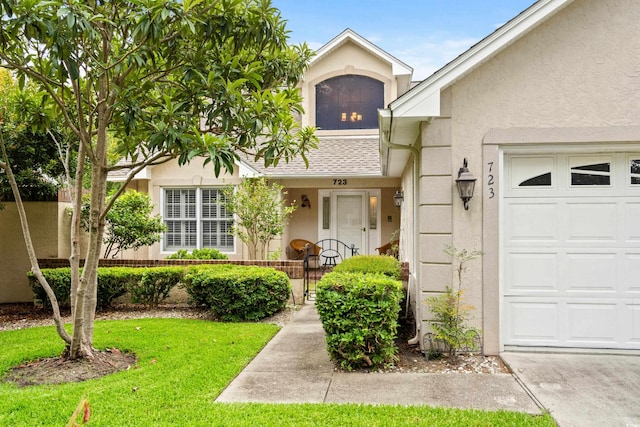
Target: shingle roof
<point x="336" y="156"/>
<point x="344" y="156"/>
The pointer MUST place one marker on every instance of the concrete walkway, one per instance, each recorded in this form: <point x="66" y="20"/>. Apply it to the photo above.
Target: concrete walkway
<point x="294" y="367"/>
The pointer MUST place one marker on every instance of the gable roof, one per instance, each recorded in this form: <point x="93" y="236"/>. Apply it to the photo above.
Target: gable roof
<point x="398" y="67"/>
<point x="401" y="71"/>
<point x="400" y="121"/>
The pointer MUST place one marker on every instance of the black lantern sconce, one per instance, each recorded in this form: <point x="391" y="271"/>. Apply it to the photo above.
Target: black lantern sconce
<point x="466" y="183"/>
<point x="305" y="201"/>
<point x="398" y="198"/>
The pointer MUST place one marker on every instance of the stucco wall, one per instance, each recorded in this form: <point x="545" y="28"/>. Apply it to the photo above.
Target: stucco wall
<point x="572" y="76"/>
<point x="43" y="218"/>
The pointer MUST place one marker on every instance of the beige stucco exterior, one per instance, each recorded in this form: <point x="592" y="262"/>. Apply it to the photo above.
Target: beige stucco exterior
<point x="573" y="79"/>
<point x="49" y="227"/>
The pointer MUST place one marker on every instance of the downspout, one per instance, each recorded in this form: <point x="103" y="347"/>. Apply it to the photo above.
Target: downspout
<point x="386" y="140"/>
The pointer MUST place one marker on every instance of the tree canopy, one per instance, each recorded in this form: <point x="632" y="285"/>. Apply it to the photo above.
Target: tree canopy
<point x="34" y="141"/>
<point x="165" y="79"/>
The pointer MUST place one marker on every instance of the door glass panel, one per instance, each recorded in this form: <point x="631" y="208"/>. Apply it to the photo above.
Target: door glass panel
<point x="635" y="172"/>
<point x="350" y="222"/>
<point x="591" y="174"/>
<point x="531" y="171"/>
<point x="543" y="180"/>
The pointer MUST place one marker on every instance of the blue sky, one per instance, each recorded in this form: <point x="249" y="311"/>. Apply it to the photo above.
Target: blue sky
<point x="425" y="34"/>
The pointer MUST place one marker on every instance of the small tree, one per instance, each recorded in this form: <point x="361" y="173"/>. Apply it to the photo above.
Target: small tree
<point x="166" y="79"/>
<point x="261" y="213"/>
<point x="130" y="224"/>
<point x="451" y="313"/>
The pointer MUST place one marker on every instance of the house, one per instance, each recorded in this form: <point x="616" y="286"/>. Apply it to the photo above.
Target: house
<point x="545" y="112"/>
<point x="341" y="195"/>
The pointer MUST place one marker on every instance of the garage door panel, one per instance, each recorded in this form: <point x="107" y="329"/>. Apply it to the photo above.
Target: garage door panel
<point x="532" y="272"/>
<point x="533" y="221"/>
<point x="632" y="222"/>
<point x="633" y="312"/>
<point x="534" y="322"/>
<point x="592" y="324"/>
<point x="592" y="221"/>
<point x="592" y="272"/>
<point x="632" y="273"/>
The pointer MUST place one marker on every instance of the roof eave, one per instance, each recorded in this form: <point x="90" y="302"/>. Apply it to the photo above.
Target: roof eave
<point x="424" y="99"/>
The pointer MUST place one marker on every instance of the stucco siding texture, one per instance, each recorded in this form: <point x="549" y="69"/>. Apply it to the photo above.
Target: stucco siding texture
<point x="335" y="156"/>
<point x="576" y="70"/>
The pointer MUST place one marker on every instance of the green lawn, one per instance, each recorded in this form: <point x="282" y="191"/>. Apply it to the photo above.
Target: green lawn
<point x="182" y="366"/>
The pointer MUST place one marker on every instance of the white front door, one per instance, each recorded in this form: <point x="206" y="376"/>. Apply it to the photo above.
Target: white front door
<point x="351" y="216"/>
<point x="351" y="227"/>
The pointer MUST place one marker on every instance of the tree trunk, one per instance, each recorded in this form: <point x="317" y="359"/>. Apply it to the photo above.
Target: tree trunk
<point x="33" y="259"/>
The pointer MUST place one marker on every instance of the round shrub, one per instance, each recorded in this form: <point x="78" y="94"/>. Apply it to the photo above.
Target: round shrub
<point x="238" y="293"/>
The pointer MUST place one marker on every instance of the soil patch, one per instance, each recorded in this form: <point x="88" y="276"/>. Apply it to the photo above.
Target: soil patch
<point x="58" y="370"/>
<point x="412" y="360"/>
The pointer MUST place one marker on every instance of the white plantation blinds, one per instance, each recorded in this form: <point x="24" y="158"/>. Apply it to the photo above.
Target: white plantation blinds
<point x="196" y="218"/>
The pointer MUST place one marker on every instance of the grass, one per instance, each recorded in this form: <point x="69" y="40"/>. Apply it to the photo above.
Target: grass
<point x="183" y="365"/>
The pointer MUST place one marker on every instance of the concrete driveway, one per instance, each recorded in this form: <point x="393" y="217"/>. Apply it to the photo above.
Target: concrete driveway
<point x="582" y="389"/>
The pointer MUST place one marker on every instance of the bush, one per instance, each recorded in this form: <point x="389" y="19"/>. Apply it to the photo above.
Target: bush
<point x="206" y="253"/>
<point x="113" y="282"/>
<point x="359" y="313"/>
<point x="237" y="293"/>
<point x="155" y="284"/>
<point x="382" y="264"/>
<point x="60" y="281"/>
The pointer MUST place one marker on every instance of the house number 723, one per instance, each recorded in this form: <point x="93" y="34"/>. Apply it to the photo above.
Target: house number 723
<point x="339" y="182"/>
<point x="490" y="181"/>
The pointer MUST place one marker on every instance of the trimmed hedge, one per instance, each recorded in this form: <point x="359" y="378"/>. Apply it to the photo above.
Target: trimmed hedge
<point x="155" y="284"/>
<point x="359" y="313"/>
<point x="204" y="253"/>
<point x="381" y="264"/>
<point x="113" y="282"/>
<point x="238" y="293"/>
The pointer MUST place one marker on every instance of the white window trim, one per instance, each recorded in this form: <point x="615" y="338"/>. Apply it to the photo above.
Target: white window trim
<point x="198" y="218"/>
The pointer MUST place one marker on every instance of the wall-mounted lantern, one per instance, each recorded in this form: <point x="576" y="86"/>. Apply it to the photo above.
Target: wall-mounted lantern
<point x="398" y="198"/>
<point x="466" y="183"/>
<point x="305" y="201"/>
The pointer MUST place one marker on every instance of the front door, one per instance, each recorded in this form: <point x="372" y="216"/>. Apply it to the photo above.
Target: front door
<point x="350" y="219"/>
<point x="351" y="216"/>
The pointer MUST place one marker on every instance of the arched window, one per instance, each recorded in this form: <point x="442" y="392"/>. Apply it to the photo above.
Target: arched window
<point x="348" y="102"/>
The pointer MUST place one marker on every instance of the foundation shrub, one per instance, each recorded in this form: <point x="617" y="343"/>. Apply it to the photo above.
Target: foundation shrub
<point x="113" y="282"/>
<point x="155" y="284"/>
<point x="204" y="253"/>
<point x="381" y="264"/>
<point x="359" y="313"/>
<point x="238" y="293"/>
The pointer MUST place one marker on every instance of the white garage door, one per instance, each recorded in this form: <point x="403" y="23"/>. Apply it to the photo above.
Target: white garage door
<point x="571" y="251"/>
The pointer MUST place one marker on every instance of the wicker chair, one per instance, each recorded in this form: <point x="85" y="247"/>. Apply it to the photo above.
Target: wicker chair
<point x="299" y="248"/>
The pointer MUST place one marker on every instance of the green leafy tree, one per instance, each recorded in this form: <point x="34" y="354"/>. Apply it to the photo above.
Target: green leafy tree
<point x="130" y="223"/>
<point x="34" y="142"/>
<point x="261" y="213"/>
<point x="165" y="79"/>
<point x="451" y="313"/>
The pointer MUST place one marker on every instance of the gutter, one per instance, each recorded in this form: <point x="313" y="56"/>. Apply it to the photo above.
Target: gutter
<point x="385" y="138"/>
